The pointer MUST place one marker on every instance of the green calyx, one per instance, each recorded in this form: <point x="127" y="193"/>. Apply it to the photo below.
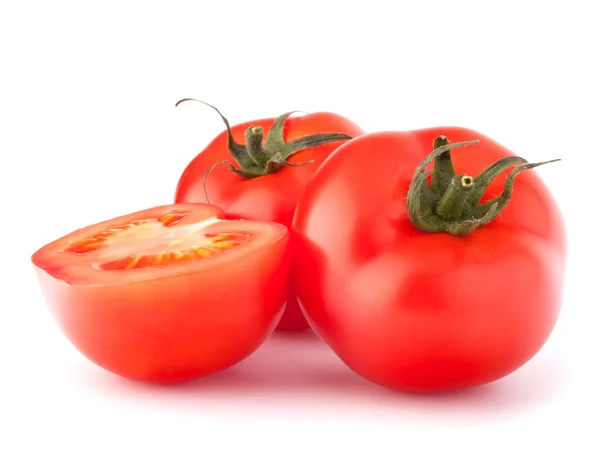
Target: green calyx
<point x="257" y="157"/>
<point x="451" y="203"/>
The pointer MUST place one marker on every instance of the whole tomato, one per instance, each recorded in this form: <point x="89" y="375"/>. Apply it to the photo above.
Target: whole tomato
<point x="268" y="164"/>
<point x="429" y="278"/>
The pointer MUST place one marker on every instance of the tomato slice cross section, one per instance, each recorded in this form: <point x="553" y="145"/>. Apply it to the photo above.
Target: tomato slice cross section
<point x="167" y="294"/>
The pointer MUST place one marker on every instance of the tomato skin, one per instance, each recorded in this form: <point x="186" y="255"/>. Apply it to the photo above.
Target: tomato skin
<point x="416" y="311"/>
<point x="271" y="197"/>
<point x="174" y="328"/>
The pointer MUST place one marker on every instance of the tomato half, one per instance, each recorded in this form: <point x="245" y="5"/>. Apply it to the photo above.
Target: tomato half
<point x="167" y="294"/>
<point x="261" y="187"/>
<point x="428" y="309"/>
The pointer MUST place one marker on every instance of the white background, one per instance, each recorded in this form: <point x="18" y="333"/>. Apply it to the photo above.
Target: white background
<point x="89" y="131"/>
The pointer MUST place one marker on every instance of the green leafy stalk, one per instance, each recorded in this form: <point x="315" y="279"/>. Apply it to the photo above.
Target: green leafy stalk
<point x="260" y="157"/>
<point x="451" y="203"/>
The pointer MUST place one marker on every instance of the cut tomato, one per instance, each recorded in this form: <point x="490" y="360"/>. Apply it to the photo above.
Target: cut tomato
<point x="167" y="294"/>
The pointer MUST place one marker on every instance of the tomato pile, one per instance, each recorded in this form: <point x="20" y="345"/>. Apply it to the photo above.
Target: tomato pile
<point x="428" y="260"/>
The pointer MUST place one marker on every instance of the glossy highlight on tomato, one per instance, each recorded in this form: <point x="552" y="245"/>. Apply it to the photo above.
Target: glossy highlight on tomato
<point x="268" y="190"/>
<point x="167" y="294"/>
<point x="467" y="297"/>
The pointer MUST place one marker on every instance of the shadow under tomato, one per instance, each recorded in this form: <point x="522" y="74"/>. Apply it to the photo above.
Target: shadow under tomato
<point x="298" y="373"/>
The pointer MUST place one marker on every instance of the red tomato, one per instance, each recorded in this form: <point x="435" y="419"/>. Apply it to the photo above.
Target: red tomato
<point x="167" y="294"/>
<point x="428" y="311"/>
<point x="261" y="193"/>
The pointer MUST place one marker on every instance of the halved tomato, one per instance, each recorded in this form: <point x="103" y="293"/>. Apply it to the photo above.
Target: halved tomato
<point x="167" y="294"/>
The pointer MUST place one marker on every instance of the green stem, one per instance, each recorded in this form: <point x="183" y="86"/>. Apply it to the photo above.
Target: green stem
<point x="443" y="169"/>
<point x="254" y="138"/>
<point x="257" y="158"/>
<point x="451" y="204"/>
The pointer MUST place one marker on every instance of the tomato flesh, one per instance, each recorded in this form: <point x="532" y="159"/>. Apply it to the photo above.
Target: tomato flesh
<point x="164" y="244"/>
<point x="167" y="294"/>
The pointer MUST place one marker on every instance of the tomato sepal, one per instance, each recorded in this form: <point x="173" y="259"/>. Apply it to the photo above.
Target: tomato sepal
<point x="257" y="158"/>
<point x="451" y="202"/>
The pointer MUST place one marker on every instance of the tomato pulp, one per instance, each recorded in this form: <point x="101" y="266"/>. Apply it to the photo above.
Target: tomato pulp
<point x="167" y="294"/>
<point x="267" y="192"/>
<point x="428" y="309"/>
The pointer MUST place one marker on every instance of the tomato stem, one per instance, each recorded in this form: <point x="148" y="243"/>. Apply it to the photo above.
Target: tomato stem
<point x="257" y="158"/>
<point x="451" y="203"/>
<point x="443" y="170"/>
<point x="254" y="138"/>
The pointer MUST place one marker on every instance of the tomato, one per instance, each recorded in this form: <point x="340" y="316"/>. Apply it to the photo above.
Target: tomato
<point x="167" y="294"/>
<point x="395" y="273"/>
<point x="267" y="178"/>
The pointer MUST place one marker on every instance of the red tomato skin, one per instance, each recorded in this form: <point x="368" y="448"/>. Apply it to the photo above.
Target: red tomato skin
<point x="176" y="328"/>
<point x="268" y="198"/>
<point x="425" y="312"/>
